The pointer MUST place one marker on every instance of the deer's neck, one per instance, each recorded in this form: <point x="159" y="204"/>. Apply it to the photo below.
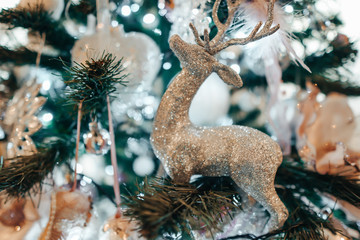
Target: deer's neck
<point x="173" y="111"/>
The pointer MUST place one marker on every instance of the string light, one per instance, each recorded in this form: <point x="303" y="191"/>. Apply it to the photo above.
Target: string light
<point x="289" y="9"/>
<point x="109" y="170"/>
<point x="167" y="66"/>
<point x="125" y="10"/>
<point x="236" y="68"/>
<point x="149" y="18"/>
<point x="135" y="7"/>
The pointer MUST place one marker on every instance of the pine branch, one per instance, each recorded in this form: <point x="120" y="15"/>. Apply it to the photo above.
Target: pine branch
<point x="337" y="57"/>
<point x="92" y="81"/>
<point x="23" y="56"/>
<point x="306" y="182"/>
<point x="24" y="175"/>
<point x="327" y="86"/>
<point x="162" y="206"/>
<point x="302" y="224"/>
<point x="38" y="20"/>
<point x="79" y="12"/>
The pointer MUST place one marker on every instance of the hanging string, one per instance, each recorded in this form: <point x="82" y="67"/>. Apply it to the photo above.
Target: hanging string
<point x="41" y="48"/>
<point x="114" y="160"/>
<point x="77" y="145"/>
<point x="103" y="24"/>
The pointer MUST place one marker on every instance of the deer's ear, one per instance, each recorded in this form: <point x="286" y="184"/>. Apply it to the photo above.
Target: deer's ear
<point x="228" y="75"/>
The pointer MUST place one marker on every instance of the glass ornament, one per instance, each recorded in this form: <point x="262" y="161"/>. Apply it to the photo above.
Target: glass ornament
<point x="142" y="56"/>
<point x="97" y="141"/>
<point x="121" y="228"/>
<point x="70" y="213"/>
<point x="17" y="217"/>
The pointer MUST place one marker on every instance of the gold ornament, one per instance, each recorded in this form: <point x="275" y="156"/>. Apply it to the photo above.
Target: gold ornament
<point x="250" y="157"/>
<point x="69" y="213"/>
<point x="326" y="133"/>
<point x="16" y="217"/>
<point x="20" y="120"/>
<point x="122" y="229"/>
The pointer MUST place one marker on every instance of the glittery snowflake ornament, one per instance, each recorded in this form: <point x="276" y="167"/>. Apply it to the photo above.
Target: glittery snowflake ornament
<point x="21" y="121"/>
<point x="250" y="157"/>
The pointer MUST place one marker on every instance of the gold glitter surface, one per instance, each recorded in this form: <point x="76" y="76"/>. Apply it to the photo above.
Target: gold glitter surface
<point x="250" y="157"/>
<point x="20" y="120"/>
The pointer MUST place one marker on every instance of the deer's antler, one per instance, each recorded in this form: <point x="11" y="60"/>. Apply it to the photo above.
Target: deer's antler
<point x="255" y="33"/>
<point x="216" y="45"/>
<point x="232" y="6"/>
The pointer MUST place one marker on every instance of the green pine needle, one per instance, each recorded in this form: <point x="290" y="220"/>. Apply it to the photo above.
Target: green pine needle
<point x="303" y="223"/>
<point x="164" y="207"/>
<point x="22" y="176"/>
<point x="36" y="19"/>
<point x="91" y="82"/>
<point x="306" y="182"/>
<point x="79" y="12"/>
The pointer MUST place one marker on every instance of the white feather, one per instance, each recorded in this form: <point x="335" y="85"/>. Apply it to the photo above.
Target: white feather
<point x="252" y="12"/>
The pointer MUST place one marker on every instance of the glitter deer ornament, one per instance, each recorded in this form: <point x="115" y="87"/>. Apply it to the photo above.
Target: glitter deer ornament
<point x="250" y="157"/>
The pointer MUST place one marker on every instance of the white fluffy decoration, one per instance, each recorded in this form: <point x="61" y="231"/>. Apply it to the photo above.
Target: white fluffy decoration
<point x="56" y="7"/>
<point x="266" y="51"/>
<point x="211" y="103"/>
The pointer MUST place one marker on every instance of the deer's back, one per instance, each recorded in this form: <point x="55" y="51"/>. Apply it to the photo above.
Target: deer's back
<point x="218" y="149"/>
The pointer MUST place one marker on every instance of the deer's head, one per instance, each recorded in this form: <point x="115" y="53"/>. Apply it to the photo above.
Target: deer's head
<point x="199" y="58"/>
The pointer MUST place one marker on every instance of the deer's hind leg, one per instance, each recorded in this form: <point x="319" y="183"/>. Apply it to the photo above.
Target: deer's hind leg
<point x="262" y="189"/>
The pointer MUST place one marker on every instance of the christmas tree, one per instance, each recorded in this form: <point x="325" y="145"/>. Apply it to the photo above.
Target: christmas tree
<point x="178" y="119"/>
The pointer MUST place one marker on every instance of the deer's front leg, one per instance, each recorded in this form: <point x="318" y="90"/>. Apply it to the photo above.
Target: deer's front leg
<point x="181" y="165"/>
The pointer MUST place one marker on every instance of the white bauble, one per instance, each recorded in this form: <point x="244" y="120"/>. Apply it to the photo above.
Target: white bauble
<point x="211" y="102"/>
<point x="55" y="7"/>
<point x="142" y="56"/>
